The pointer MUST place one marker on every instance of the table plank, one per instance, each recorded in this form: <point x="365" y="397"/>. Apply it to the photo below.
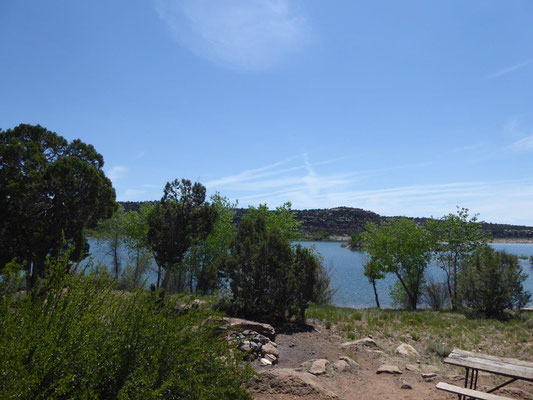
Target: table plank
<point x="469" y="392"/>
<point x="497" y="365"/>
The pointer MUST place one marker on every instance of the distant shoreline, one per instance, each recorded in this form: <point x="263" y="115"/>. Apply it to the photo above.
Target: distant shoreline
<point x="513" y="240"/>
<point x="346" y="239"/>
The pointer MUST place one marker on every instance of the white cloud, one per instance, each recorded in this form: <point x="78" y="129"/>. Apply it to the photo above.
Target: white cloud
<point x="522" y="145"/>
<point x="302" y="183"/>
<point x="510" y="69"/>
<point x="251" y="35"/>
<point x="117" y="172"/>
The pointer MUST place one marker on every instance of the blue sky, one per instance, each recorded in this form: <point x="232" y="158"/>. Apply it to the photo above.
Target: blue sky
<point x="403" y="108"/>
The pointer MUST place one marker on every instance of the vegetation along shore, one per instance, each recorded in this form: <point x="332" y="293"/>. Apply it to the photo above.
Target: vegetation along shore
<point x="239" y="308"/>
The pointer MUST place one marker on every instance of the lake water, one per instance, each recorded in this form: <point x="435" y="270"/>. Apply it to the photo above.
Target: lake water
<point x="353" y="288"/>
<point x="346" y="266"/>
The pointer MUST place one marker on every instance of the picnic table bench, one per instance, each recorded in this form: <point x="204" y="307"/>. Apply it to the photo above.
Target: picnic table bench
<point x="475" y="362"/>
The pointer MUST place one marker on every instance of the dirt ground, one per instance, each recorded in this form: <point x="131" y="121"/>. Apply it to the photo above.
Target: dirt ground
<point x="316" y="342"/>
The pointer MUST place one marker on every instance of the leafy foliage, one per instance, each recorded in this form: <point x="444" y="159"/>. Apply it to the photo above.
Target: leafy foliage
<point x="491" y="282"/>
<point x="373" y="273"/>
<point x="204" y="257"/>
<point x="457" y="236"/>
<point x="85" y="340"/>
<point x="283" y="219"/>
<point x="402" y="248"/>
<point x="50" y="191"/>
<point x="175" y="223"/>
<point x="435" y="295"/>
<point x="269" y="278"/>
<point x="111" y="233"/>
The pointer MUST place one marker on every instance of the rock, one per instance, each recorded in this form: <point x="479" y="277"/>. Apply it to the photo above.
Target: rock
<point x="245" y="346"/>
<point x="388" y="369"/>
<point x="292" y="345"/>
<point x="273" y="344"/>
<point x="265" y="362"/>
<point x="407" y="350"/>
<point x="405" y="385"/>
<point x="319" y="367"/>
<point x="291" y="382"/>
<point x="351" y="363"/>
<point x="243" y="324"/>
<point x="368" y="342"/>
<point x="272" y="358"/>
<point x="340" y="365"/>
<point x="412" y="367"/>
<point x="428" y="375"/>
<point x="270" y="349"/>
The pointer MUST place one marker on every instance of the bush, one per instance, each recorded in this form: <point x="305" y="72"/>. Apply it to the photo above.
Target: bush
<point x="81" y="338"/>
<point x="268" y="278"/>
<point x="491" y="282"/>
<point x="439" y="349"/>
<point x="435" y="294"/>
<point x="323" y="292"/>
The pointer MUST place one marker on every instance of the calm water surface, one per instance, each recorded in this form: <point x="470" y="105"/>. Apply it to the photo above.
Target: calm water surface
<point x="346" y="266"/>
<point x="354" y="290"/>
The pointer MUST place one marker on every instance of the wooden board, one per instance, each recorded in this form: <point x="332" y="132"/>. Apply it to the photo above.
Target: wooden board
<point x="498" y="365"/>
<point x="469" y="392"/>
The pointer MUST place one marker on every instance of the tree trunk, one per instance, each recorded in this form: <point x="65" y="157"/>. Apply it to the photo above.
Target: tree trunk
<point x="158" y="276"/>
<point x="375" y="293"/>
<point x="116" y="260"/>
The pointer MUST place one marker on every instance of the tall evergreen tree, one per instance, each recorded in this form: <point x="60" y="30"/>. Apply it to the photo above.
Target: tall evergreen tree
<point x="50" y="191"/>
<point x="178" y="221"/>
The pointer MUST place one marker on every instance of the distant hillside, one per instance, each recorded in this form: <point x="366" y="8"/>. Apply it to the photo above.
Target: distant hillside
<point x="344" y="221"/>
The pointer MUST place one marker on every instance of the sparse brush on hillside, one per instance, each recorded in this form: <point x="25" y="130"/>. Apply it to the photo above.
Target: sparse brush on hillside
<point x="80" y="338"/>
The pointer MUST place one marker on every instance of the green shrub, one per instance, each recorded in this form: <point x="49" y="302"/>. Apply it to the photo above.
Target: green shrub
<point x="439" y="349"/>
<point x="491" y="282"/>
<point x="269" y="278"/>
<point x="80" y="338"/>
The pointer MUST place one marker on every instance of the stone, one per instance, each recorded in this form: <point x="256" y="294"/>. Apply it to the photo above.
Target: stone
<point x="368" y="342"/>
<point x="288" y="381"/>
<point x="407" y="350"/>
<point x="243" y="324"/>
<point x="245" y="346"/>
<point x="265" y="362"/>
<point x="405" y="385"/>
<point x="340" y="365"/>
<point x="412" y="367"/>
<point x="270" y="349"/>
<point x="319" y="367"/>
<point x="351" y="363"/>
<point x="388" y="369"/>
<point x="273" y="344"/>
<point x="428" y="375"/>
<point x="272" y="358"/>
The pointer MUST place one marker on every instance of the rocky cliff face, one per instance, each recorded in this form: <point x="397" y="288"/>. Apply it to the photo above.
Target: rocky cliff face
<point x="345" y="221"/>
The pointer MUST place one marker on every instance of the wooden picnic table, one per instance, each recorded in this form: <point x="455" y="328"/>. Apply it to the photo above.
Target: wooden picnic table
<point x="475" y="362"/>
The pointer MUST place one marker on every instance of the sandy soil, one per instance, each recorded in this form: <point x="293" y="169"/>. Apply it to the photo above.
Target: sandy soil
<point x="317" y="342"/>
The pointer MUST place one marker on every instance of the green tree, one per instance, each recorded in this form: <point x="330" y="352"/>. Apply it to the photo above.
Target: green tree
<point x="178" y="221"/>
<point x="111" y="233"/>
<point x="282" y="218"/>
<point x="402" y="248"/>
<point x="373" y="273"/>
<point x="204" y="257"/>
<point x="51" y="190"/>
<point x="492" y="281"/>
<point x="136" y="228"/>
<point x="457" y="236"/>
<point x="268" y="277"/>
